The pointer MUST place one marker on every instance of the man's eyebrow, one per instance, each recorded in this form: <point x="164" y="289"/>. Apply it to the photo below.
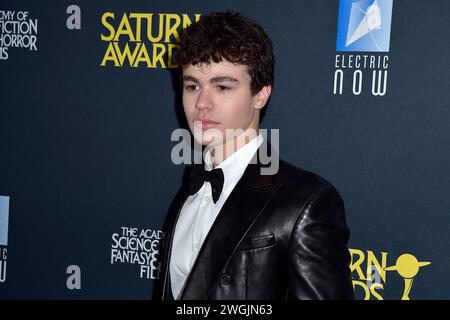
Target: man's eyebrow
<point x="190" y="78"/>
<point x="223" y="79"/>
<point x="212" y="80"/>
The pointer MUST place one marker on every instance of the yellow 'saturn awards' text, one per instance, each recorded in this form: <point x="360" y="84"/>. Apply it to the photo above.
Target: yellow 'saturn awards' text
<point x="142" y="39"/>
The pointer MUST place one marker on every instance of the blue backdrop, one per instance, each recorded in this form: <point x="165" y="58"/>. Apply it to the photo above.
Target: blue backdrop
<point x="86" y="175"/>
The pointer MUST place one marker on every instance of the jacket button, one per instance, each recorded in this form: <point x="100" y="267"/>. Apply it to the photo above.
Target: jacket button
<point x="225" y="279"/>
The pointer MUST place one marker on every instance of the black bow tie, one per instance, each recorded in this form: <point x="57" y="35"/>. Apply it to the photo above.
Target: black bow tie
<point x="198" y="175"/>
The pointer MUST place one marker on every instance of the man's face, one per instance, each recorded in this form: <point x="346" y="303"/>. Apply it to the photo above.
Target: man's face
<point x="217" y="97"/>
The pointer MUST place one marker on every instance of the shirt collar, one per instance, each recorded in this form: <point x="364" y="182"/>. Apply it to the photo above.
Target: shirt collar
<point x="234" y="166"/>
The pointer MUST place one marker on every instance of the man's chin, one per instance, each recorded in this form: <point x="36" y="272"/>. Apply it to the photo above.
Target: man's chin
<point x="208" y="142"/>
<point x="209" y="137"/>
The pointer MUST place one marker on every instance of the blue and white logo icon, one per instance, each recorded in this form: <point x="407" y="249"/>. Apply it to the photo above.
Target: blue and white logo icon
<point x="364" y="25"/>
<point x="4" y="214"/>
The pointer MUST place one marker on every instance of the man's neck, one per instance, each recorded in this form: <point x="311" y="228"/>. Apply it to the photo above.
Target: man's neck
<point x="222" y="152"/>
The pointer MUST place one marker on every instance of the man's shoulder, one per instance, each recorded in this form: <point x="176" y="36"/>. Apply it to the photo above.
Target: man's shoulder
<point x="300" y="184"/>
<point x="300" y="190"/>
<point x="296" y="176"/>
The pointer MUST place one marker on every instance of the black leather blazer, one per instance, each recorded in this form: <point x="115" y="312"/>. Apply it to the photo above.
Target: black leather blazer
<point x="281" y="236"/>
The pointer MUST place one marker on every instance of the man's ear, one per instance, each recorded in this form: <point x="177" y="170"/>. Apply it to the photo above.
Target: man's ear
<point x="262" y="96"/>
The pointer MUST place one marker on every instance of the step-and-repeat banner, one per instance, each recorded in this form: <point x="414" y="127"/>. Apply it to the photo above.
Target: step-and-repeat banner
<point x="89" y="102"/>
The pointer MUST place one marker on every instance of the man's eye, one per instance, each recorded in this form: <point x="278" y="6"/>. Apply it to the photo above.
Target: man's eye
<point x="223" y="88"/>
<point x="191" y="87"/>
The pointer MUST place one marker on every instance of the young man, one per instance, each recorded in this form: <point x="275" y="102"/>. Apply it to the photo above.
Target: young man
<point x="233" y="232"/>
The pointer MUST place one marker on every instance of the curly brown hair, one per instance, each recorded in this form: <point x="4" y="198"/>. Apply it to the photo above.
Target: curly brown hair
<point x="233" y="37"/>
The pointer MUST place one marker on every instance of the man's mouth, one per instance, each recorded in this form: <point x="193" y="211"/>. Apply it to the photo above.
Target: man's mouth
<point x="205" y="123"/>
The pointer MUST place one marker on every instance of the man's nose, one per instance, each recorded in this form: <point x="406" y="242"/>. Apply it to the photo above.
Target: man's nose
<point x="204" y="100"/>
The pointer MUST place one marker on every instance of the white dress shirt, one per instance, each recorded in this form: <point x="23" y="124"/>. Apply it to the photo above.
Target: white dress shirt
<point x="199" y="212"/>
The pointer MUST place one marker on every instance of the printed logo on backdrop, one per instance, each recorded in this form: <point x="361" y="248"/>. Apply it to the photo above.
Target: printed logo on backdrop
<point x="142" y="40"/>
<point x="4" y="220"/>
<point x="363" y="40"/>
<point x="17" y="30"/>
<point x="138" y="246"/>
<point x="372" y="280"/>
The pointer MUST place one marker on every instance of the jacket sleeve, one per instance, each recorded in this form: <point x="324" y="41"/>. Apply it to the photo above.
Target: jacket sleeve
<point x="318" y="258"/>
